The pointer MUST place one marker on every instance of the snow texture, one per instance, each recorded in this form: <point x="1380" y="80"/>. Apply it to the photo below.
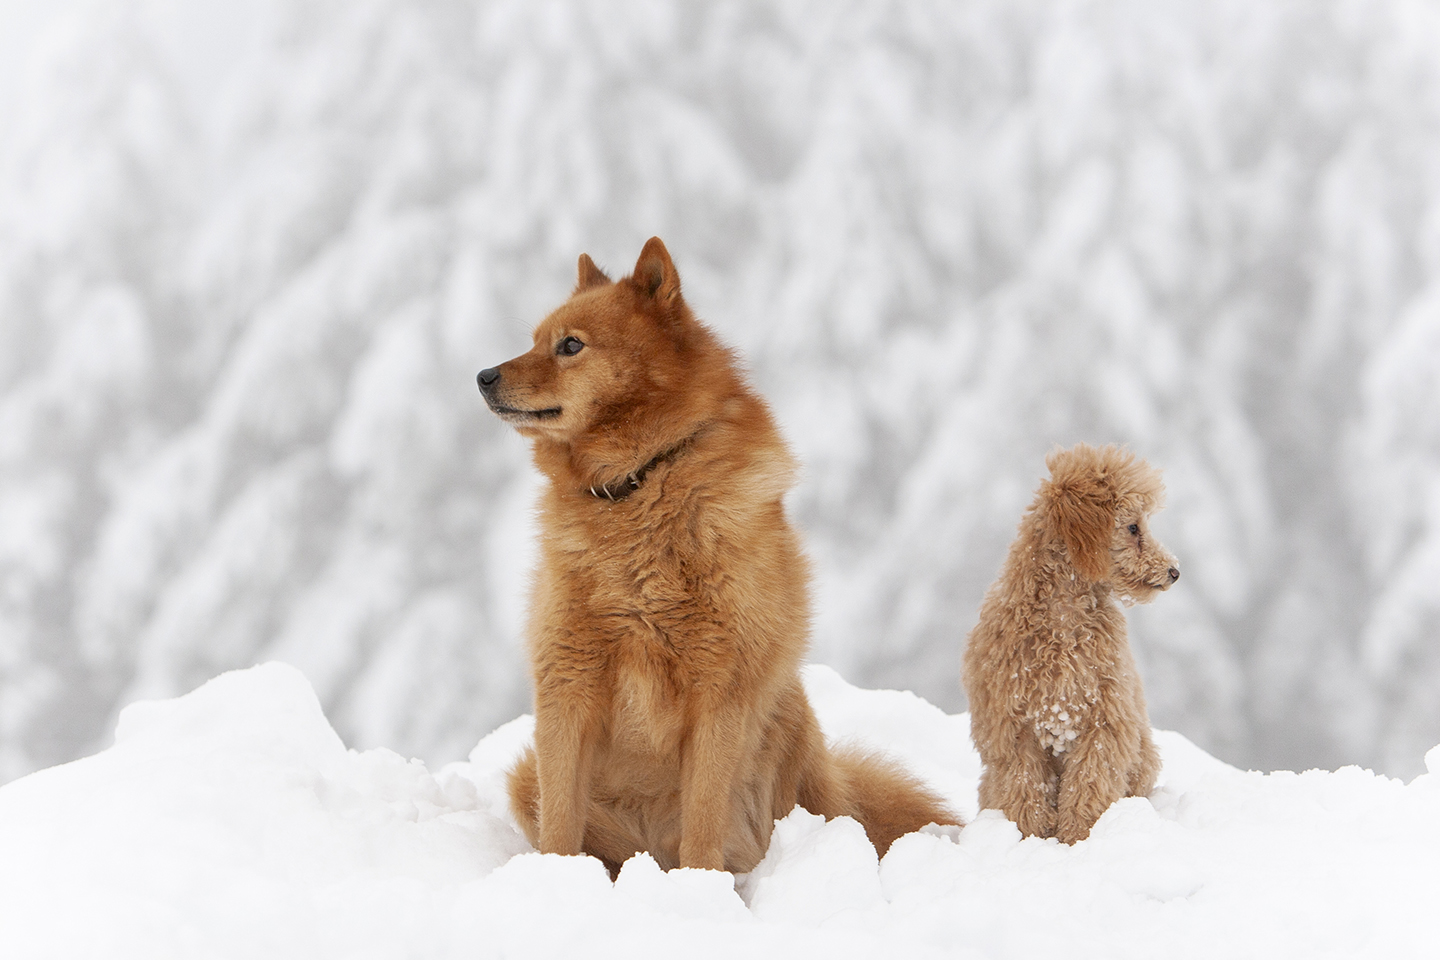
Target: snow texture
<point x="245" y="285"/>
<point x="233" y="823"/>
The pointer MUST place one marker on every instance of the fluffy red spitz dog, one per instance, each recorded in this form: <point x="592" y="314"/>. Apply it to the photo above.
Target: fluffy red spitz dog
<point x="671" y="608"/>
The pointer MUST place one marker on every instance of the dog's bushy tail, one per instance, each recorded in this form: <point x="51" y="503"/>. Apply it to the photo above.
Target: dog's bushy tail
<point x="887" y="799"/>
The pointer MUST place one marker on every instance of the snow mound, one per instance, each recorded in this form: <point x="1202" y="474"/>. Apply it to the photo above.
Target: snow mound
<point x="232" y="822"/>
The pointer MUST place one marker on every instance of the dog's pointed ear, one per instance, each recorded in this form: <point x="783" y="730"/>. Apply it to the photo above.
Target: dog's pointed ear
<point x="1082" y="512"/>
<point x="655" y="275"/>
<point x="588" y="275"/>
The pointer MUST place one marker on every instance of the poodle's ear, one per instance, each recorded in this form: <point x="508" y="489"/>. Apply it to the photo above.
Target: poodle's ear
<point x="589" y="275"/>
<point x="1082" y="512"/>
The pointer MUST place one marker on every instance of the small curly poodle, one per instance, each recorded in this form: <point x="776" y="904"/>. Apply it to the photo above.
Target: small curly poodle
<point x="1056" y="707"/>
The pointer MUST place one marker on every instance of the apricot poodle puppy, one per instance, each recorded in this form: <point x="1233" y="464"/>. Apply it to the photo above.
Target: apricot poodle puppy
<point x="1056" y="706"/>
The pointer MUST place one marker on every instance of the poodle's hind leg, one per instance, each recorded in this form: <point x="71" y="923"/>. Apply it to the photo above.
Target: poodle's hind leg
<point x="1146" y="769"/>
<point x="1021" y="782"/>
<point x="1096" y="772"/>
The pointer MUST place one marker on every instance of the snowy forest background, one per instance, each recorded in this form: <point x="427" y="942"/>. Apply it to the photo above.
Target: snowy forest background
<point x="250" y="260"/>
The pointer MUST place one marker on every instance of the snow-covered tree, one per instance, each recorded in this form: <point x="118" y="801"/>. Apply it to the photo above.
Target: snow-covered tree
<point x="238" y="336"/>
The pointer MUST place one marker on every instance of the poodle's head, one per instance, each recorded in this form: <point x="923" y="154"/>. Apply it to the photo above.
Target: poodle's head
<point x="1098" y="501"/>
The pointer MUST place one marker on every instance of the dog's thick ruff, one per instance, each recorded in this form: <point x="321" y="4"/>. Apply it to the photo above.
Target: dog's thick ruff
<point x="670" y="610"/>
<point x="1057" y="710"/>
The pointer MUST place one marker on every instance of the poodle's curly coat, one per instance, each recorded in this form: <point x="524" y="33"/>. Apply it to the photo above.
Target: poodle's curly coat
<point x="1056" y="706"/>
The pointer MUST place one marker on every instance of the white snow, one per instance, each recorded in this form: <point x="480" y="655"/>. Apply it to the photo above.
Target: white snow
<point x="232" y="822"/>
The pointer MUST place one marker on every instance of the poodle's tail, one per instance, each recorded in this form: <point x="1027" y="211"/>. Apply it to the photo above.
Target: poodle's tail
<point x="887" y="799"/>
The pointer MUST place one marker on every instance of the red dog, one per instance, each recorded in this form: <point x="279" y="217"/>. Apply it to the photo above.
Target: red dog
<point x="671" y="606"/>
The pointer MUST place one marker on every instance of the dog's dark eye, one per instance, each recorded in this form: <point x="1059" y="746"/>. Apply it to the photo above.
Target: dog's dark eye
<point x="1134" y="528"/>
<point x="569" y="347"/>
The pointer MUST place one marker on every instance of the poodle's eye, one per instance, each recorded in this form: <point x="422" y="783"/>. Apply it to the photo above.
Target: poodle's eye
<point x="1134" y="528"/>
<point x="569" y="347"/>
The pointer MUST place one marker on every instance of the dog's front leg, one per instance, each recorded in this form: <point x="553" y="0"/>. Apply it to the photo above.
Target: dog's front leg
<point x="1094" y="777"/>
<point x="708" y="763"/>
<point x="565" y="731"/>
<point x="1017" y="777"/>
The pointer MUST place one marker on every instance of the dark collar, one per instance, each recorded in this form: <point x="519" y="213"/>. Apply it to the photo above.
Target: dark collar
<point x="628" y="484"/>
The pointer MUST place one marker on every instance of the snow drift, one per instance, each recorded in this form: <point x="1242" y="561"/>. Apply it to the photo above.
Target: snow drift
<point x="233" y="823"/>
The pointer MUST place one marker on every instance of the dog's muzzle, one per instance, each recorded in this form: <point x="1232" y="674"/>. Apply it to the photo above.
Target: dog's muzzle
<point x="489" y="382"/>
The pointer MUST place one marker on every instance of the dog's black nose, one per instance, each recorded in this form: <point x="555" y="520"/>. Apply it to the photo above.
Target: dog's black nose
<point x="1174" y="574"/>
<point x="487" y="377"/>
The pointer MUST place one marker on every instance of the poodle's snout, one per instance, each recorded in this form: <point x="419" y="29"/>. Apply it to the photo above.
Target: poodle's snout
<point x="487" y="378"/>
<point x="1174" y="574"/>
